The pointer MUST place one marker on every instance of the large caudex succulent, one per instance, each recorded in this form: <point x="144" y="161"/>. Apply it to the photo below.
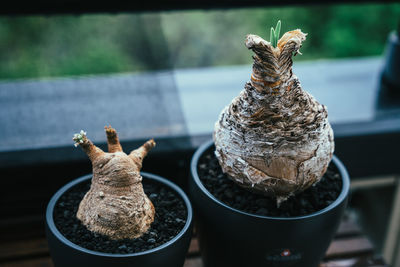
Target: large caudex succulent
<point x="115" y="205"/>
<point x="274" y="138"/>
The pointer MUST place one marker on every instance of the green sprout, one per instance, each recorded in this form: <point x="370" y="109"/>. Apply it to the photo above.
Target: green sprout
<point x="274" y="35"/>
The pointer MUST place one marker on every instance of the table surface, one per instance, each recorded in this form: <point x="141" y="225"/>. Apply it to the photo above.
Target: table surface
<point x="350" y="247"/>
<point x="45" y="113"/>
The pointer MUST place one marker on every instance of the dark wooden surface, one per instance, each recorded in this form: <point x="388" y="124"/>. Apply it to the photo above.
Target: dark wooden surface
<point x="349" y="248"/>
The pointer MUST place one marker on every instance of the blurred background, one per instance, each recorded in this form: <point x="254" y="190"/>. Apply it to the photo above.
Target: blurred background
<point x="167" y="73"/>
<point x="63" y="45"/>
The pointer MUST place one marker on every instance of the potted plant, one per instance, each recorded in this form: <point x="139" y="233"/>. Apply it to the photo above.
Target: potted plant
<point x="109" y="218"/>
<point x="267" y="191"/>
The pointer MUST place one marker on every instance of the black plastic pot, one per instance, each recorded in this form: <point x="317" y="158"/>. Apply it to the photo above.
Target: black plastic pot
<point x="230" y="237"/>
<point x="66" y="253"/>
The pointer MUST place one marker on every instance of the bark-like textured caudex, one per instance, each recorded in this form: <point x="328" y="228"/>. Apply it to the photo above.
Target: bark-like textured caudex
<point x="115" y="205"/>
<point x="274" y="138"/>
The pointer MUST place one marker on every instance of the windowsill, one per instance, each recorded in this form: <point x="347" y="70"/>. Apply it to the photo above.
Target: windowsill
<point x="179" y="108"/>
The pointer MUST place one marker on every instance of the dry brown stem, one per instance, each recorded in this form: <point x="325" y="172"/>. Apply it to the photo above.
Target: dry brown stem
<point x="274" y="138"/>
<point x="115" y="205"/>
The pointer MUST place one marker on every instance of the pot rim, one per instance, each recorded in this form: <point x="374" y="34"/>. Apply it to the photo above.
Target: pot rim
<point x="342" y="196"/>
<point x="164" y="181"/>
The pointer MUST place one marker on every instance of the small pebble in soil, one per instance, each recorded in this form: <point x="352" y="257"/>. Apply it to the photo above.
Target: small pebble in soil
<point x="311" y="200"/>
<point x="170" y="218"/>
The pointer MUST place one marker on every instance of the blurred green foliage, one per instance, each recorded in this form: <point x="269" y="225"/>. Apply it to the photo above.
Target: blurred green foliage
<point x="37" y="46"/>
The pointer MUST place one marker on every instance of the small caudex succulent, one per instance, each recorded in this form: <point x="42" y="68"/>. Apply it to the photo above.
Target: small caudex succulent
<point x="115" y="205"/>
<point x="274" y="138"/>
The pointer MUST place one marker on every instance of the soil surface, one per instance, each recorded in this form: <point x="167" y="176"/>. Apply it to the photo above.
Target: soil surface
<point x="309" y="201"/>
<point x="170" y="218"/>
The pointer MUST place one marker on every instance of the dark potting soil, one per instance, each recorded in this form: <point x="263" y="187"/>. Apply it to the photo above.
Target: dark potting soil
<point x="169" y="220"/>
<point x="311" y="200"/>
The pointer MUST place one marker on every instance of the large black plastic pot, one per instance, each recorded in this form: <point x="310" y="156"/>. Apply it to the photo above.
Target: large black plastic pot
<point x="230" y="237"/>
<point x="66" y="253"/>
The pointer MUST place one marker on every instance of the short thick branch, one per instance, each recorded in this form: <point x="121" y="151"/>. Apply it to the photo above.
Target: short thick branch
<point x="138" y="155"/>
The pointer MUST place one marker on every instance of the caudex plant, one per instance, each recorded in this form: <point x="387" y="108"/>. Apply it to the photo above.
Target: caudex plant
<point x="274" y="138"/>
<point x="115" y="205"/>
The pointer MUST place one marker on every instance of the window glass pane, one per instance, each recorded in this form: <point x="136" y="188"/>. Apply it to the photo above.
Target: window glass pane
<point x="74" y="45"/>
<point x="208" y="38"/>
<point x="63" y="45"/>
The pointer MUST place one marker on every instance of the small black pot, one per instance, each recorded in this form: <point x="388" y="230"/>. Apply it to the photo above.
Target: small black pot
<point x="230" y="237"/>
<point x="66" y="253"/>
